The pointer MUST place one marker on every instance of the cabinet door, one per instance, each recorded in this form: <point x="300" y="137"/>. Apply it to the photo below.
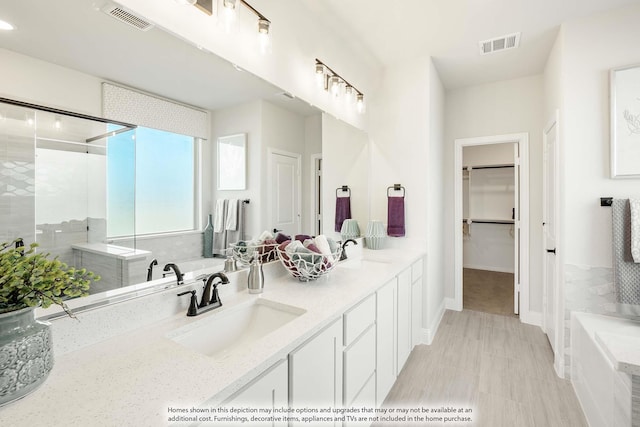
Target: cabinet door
<point x="269" y="390"/>
<point x="404" y="317"/>
<point x="416" y="303"/>
<point x="386" y="333"/>
<point x="359" y="365"/>
<point x="315" y="370"/>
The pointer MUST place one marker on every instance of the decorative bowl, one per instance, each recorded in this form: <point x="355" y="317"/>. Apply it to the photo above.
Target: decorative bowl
<point x="243" y="253"/>
<point x="306" y="266"/>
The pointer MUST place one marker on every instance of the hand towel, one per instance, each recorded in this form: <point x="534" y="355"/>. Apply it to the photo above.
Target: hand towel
<point x="231" y="222"/>
<point x="634" y="204"/>
<point x="322" y="244"/>
<point x="626" y="273"/>
<point x="343" y="211"/>
<point x="395" y="216"/>
<point x="219" y="215"/>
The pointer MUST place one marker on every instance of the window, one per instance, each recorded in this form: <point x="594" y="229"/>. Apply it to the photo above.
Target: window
<point x="150" y="183"/>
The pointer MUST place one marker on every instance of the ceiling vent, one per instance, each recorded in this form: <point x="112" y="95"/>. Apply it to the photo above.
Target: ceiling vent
<point x="510" y="41"/>
<point x="128" y="17"/>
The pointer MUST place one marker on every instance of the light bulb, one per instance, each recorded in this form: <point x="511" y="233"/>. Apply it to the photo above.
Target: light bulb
<point x="264" y="35"/>
<point x="320" y="77"/>
<point x="334" y="83"/>
<point x="229" y="12"/>
<point x="360" y="103"/>
<point x="349" y="94"/>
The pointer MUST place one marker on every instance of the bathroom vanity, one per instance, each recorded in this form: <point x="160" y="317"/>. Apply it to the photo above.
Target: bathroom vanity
<point x="339" y="340"/>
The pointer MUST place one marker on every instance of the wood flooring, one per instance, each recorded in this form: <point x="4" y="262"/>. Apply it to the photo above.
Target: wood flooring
<point x="494" y="365"/>
<point x="488" y="291"/>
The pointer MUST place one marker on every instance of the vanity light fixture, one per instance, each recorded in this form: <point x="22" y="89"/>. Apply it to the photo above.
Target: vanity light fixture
<point x="332" y="82"/>
<point x="230" y="10"/>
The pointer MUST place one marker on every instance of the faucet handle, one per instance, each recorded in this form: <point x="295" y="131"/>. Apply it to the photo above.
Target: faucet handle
<point x="193" y="305"/>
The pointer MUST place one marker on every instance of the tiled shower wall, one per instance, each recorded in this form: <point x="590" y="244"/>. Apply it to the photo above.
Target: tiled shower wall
<point x="17" y="188"/>
<point x="586" y="289"/>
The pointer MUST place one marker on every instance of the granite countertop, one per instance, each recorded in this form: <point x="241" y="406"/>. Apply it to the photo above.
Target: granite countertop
<point x="133" y="378"/>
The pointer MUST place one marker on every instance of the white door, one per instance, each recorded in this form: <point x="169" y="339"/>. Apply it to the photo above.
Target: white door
<point x="285" y="192"/>
<point x="516" y="229"/>
<point x="550" y="217"/>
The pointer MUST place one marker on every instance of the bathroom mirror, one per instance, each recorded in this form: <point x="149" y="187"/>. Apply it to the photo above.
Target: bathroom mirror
<point x="232" y="162"/>
<point x="40" y="65"/>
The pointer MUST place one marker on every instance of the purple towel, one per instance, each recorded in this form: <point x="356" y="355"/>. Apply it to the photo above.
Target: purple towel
<point x="395" y="220"/>
<point x="343" y="211"/>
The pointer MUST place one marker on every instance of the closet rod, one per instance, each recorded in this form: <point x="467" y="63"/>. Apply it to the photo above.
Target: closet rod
<point x="489" y="221"/>
<point x="488" y="167"/>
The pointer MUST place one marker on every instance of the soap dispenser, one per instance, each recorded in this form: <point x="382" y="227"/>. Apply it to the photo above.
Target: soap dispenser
<point x="256" y="276"/>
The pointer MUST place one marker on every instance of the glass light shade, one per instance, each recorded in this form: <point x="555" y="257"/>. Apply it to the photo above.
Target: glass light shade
<point x="264" y="36"/>
<point x="360" y="103"/>
<point x="349" y="94"/>
<point x="334" y="84"/>
<point x="228" y="15"/>
<point x="320" y="76"/>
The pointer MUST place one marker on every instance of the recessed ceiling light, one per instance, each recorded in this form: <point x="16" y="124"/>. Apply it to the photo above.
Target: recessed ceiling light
<point x="5" y="26"/>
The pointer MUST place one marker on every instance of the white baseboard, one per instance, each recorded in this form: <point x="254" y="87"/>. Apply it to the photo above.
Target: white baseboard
<point x="429" y="334"/>
<point x="531" y="318"/>
<point x="450" y="304"/>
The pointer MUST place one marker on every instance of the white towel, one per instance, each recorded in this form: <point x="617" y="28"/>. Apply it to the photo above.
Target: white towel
<point x="635" y="229"/>
<point x="218" y="218"/>
<point x="232" y="215"/>
<point x="323" y="245"/>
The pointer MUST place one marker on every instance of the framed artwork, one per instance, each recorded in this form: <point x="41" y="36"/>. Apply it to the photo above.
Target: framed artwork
<point x="625" y="122"/>
<point x="232" y="161"/>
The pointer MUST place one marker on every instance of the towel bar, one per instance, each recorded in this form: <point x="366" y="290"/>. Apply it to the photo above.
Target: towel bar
<point x="396" y="187"/>
<point x="344" y="188"/>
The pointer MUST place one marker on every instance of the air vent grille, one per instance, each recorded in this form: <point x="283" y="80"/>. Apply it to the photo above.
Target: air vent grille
<point x="510" y="41"/>
<point x="127" y="17"/>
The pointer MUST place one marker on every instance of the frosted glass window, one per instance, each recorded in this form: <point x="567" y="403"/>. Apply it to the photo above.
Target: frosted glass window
<point x="162" y="166"/>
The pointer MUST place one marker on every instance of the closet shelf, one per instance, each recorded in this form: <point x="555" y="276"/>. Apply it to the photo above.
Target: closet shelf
<point x="500" y="166"/>
<point x="488" y="221"/>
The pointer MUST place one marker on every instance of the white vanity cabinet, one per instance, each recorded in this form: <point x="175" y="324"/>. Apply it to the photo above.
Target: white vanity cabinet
<point x="360" y="354"/>
<point x="268" y="390"/>
<point x="416" y="303"/>
<point x="404" y="318"/>
<point x="315" y="370"/>
<point x="387" y="343"/>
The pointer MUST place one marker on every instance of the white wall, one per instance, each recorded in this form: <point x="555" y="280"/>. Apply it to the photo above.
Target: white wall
<point x="298" y="37"/>
<point x="590" y="48"/>
<point x="511" y="106"/>
<point x="400" y="132"/>
<point x="433" y="291"/>
<point x="345" y="161"/>
<point x="246" y="118"/>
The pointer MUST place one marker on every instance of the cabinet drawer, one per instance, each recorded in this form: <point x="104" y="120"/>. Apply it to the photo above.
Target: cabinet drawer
<point x="359" y="318"/>
<point x="416" y="270"/>
<point x="359" y="364"/>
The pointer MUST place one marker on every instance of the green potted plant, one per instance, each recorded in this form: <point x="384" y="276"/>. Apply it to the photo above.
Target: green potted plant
<point x="29" y="279"/>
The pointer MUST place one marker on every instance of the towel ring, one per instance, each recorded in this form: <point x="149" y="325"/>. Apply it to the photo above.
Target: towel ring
<point x="343" y="189"/>
<point x="396" y="187"/>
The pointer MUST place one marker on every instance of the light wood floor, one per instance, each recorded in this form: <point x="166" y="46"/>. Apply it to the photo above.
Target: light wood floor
<point x="494" y="364"/>
<point x="488" y="291"/>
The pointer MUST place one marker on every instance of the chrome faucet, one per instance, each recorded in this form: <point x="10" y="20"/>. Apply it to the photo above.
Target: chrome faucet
<point x="176" y="270"/>
<point x="210" y="298"/>
<point x="343" y="255"/>
<point x="150" y="270"/>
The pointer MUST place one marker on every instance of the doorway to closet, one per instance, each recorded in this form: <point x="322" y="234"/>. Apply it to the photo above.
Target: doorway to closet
<point x="488" y="228"/>
<point x="492" y="224"/>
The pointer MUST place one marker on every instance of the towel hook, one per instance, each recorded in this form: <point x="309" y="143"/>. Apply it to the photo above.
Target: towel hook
<point x="396" y="187"/>
<point x="344" y="188"/>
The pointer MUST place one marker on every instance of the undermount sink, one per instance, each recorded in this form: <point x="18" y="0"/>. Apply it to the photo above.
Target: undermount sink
<point x="234" y="328"/>
<point x="362" y="262"/>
